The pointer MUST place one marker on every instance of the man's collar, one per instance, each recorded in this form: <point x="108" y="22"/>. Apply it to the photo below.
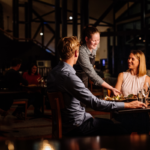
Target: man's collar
<point x="68" y="66"/>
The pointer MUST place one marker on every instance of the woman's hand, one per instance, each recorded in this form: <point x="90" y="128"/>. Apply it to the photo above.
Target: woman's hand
<point x="115" y="91"/>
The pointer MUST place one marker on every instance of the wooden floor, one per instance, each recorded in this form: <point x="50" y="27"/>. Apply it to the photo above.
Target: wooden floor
<point x="32" y="128"/>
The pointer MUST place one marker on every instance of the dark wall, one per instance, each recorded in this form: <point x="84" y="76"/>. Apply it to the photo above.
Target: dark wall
<point x="1" y="17"/>
<point x="27" y="51"/>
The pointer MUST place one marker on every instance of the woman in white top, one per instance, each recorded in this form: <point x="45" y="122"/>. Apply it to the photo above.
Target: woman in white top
<point x="132" y="81"/>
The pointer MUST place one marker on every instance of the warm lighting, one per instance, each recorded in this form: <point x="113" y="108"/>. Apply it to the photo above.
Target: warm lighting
<point x="41" y="34"/>
<point x="46" y="146"/>
<point x="143" y="40"/>
<point x="70" y="17"/>
<point x="10" y="145"/>
<point x="140" y="38"/>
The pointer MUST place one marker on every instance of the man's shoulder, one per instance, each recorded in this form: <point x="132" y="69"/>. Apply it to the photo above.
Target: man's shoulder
<point x="11" y="71"/>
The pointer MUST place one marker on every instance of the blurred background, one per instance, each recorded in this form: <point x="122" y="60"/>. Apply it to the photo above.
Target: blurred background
<point x="31" y="29"/>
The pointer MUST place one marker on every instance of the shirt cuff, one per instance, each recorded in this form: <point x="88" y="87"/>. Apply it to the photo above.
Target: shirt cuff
<point x="120" y="105"/>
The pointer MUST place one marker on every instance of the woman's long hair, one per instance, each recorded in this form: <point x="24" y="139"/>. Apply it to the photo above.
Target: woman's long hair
<point x="142" y="62"/>
<point x="30" y="69"/>
<point x="88" y="31"/>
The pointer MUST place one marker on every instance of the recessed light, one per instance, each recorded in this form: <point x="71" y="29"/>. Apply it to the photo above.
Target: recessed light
<point x="70" y="17"/>
<point x="41" y="34"/>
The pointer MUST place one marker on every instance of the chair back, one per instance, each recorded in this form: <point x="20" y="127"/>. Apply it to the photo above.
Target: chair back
<point x="91" y="85"/>
<point x="57" y="103"/>
<point x="109" y="92"/>
<point x="97" y="92"/>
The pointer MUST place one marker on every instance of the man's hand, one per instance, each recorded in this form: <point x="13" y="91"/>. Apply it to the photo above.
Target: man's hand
<point x="115" y="91"/>
<point x="135" y="104"/>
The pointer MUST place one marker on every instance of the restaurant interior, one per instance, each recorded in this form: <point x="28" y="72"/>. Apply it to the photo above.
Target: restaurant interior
<point x="30" y="30"/>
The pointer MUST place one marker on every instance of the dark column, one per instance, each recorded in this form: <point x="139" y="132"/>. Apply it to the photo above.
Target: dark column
<point x="143" y="23"/>
<point x="143" y="14"/>
<point x="75" y="17"/>
<point x="28" y="18"/>
<point x="134" y="42"/>
<point x="109" y="53"/>
<point x="114" y="43"/>
<point x="57" y="31"/>
<point x="43" y="34"/>
<point x="64" y="18"/>
<point x="84" y="10"/>
<point x="16" y="18"/>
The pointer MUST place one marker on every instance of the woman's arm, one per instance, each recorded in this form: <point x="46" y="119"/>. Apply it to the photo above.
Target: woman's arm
<point x="87" y="67"/>
<point x="119" y="81"/>
<point x="147" y="79"/>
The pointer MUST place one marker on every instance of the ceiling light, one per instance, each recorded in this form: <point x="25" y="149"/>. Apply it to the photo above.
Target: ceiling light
<point x="70" y="17"/>
<point x="143" y="40"/>
<point x="41" y="34"/>
<point x="140" y="38"/>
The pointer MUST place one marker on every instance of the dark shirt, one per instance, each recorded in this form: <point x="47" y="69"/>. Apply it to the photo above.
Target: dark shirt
<point x="63" y="78"/>
<point x="13" y="80"/>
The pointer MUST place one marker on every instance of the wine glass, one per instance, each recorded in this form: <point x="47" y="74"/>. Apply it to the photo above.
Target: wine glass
<point x="145" y="91"/>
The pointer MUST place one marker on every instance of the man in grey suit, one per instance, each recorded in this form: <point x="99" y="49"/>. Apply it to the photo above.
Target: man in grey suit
<point x="75" y="120"/>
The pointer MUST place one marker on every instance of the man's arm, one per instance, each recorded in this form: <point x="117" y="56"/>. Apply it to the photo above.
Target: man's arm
<point x="22" y="80"/>
<point x="75" y="87"/>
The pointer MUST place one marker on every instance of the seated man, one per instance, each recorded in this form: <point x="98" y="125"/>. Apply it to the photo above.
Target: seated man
<point x="75" y="121"/>
<point x="13" y="81"/>
<point x="12" y="77"/>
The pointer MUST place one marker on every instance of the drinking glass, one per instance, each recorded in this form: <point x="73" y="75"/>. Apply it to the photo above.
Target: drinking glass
<point x="145" y="92"/>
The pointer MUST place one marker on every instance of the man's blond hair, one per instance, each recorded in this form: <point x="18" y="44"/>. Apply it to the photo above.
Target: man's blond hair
<point x="67" y="47"/>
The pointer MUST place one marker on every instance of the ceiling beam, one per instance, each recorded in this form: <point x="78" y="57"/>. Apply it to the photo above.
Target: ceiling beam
<point x="37" y="31"/>
<point x="103" y="15"/>
<point x="124" y="33"/>
<point x="42" y="20"/>
<point x="45" y="3"/>
<point x="50" y="41"/>
<point x="44" y="14"/>
<point x="121" y="16"/>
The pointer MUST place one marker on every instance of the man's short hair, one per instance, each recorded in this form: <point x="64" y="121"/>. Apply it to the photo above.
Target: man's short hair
<point x="67" y="46"/>
<point x="15" y="62"/>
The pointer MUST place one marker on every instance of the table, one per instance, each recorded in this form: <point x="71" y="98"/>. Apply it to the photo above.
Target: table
<point x="132" y="142"/>
<point x="37" y="88"/>
<point x="134" y="110"/>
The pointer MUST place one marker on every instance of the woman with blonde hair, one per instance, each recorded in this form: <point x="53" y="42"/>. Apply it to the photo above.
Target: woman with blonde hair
<point x="132" y="81"/>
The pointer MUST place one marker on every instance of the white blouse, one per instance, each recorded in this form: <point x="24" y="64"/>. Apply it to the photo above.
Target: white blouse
<point x="132" y="84"/>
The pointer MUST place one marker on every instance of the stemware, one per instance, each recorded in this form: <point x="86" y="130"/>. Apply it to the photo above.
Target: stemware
<point x="145" y="91"/>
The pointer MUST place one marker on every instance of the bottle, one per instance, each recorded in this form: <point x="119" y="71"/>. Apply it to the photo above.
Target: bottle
<point x="42" y="82"/>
